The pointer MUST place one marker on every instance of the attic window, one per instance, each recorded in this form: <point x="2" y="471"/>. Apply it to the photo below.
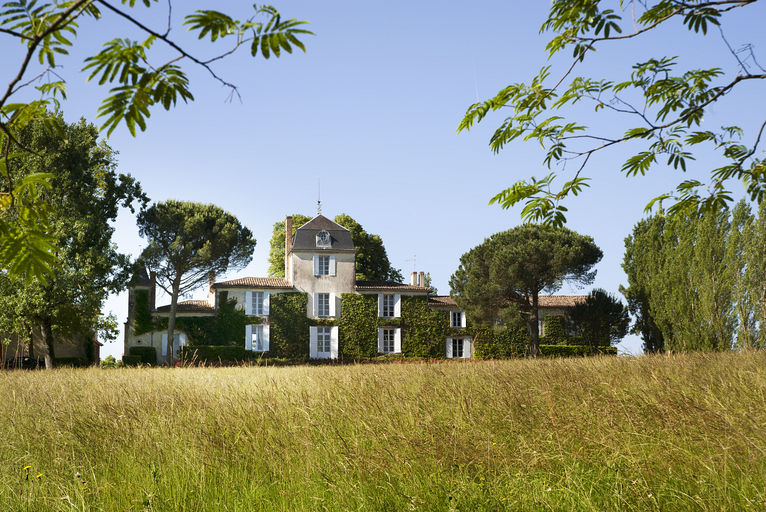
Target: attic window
<point x="323" y="239"/>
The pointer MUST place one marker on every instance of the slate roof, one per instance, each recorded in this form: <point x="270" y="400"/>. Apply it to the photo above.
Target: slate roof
<point x="386" y="286"/>
<point x="254" y="282"/>
<point x="305" y="236"/>
<point x="189" y="306"/>
<point x="141" y="278"/>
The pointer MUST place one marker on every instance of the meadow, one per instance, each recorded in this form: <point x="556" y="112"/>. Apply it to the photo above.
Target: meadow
<point x="676" y="432"/>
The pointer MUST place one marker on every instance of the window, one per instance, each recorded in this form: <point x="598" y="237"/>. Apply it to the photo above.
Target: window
<point x="389" y="302"/>
<point x="388" y="340"/>
<point x="457" y="347"/>
<point x="323" y="339"/>
<point x="258" y="344"/>
<point x="323" y="266"/>
<point x="257" y="306"/>
<point x="323" y="304"/>
<point x="456" y="319"/>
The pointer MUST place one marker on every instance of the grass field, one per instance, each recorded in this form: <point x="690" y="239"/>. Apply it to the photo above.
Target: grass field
<point x="651" y="433"/>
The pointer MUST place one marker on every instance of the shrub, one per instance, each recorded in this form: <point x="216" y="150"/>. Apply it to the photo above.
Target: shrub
<point x="129" y="360"/>
<point x="148" y="355"/>
<point x="575" y="350"/>
<point x="555" y="329"/>
<point x="213" y="353"/>
<point x="73" y="362"/>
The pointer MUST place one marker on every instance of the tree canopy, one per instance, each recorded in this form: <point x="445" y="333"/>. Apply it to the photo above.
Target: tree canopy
<point x="664" y="108"/>
<point x="696" y="282"/>
<point x="187" y="242"/>
<point x="85" y="195"/>
<point x="602" y="320"/>
<point x="509" y="270"/>
<point x="141" y="75"/>
<point x="372" y="263"/>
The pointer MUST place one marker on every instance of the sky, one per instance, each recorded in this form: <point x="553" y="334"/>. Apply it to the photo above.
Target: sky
<point x="367" y="118"/>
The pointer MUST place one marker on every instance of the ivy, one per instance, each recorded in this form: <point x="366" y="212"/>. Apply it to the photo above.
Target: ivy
<point x="289" y="334"/>
<point x="358" y="327"/>
<point x="555" y="329"/>
<point x="500" y="343"/>
<point x="143" y="321"/>
<point x="423" y="331"/>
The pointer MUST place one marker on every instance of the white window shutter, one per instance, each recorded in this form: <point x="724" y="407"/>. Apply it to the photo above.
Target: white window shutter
<point x="467" y="348"/>
<point x="333" y="343"/>
<point x="380" y="340"/>
<point x="183" y="340"/>
<point x="397" y="305"/>
<point x="164" y="344"/>
<point x="449" y="348"/>
<point x="332" y="304"/>
<point x="316" y="265"/>
<point x="462" y="319"/>
<point x="332" y="265"/>
<point x="248" y="337"/>
<point x="313" y="342"/>
<point x="266" y="332"/>
<point x="316" y="304"/>
<point x="248" y="303"/>
<point x="397" y="340"/>
<point x="380" y="305"/>
<point x="266" y="302"/>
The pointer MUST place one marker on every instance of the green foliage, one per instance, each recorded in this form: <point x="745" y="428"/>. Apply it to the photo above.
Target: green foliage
<point x="502" y="343"/>
<point x="227" y="327"/>
<point x="215" y="353"/>
<point x="664" y="107"/>
<point x="423" y="331"/>
<point x="289" y="333"/>
<point x="575" y="351"/>
<point x="556" y="330"/>
<point x="72" y="362"/>
<point x="142" y="76"/>
<point x="698" y="279"/>
<point x="143" y="321"/>
<point x="358" y="327"/>
<point x="129" y="360"/>
<point x="602" y="320"/>
<point x="109" y="362"/>
<point x="372" y="262"/>
<point x="147" y="355"/>
<point x="187" y="242"/>
<point x="507" y="272"/>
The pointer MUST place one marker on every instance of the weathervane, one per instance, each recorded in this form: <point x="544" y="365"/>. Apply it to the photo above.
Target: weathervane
<point x="319" y="197"/>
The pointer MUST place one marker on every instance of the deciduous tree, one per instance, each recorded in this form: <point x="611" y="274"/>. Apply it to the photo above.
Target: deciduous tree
<point x="187" y="242"/>
<point x="510" y="270"/>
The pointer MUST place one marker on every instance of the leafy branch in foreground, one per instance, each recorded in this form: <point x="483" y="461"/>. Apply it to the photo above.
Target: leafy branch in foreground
<point x="47" y="30"/>
<point x="668" y="107"/>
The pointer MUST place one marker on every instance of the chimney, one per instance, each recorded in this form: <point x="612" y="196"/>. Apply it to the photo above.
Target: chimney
<point x="210" y="279"/>
<point x="414" y="279"/>
<point x="152" y="290"/>
<point x="422" y="279"/>
<point x="288" y="245"/>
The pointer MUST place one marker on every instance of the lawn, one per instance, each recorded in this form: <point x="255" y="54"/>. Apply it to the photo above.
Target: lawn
<point x="682" y="432"/>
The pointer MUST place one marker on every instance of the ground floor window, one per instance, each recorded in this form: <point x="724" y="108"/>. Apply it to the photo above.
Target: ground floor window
<point x="457" y="347"/>
<point x="388" y="340"/>
<point x="323" y="340"/>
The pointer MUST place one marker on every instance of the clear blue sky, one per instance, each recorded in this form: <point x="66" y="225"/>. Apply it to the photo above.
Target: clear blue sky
<point x="372" y="109"/>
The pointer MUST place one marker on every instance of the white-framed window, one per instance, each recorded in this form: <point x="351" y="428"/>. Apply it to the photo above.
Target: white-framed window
<point x="324" y="340"/>
<point x="257" y="303"/>
<point x="457" y="319"/>
<point x="257" y="337"/>
<point x="323" y="304"/>
<point x="458" y="348"/>
<point x="389" y="340"/>
<point x="388" y="305"/>
<point x="323" y="266"/>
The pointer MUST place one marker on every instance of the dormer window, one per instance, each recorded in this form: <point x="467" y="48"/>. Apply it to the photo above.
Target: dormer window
<point x="323" y="239"/>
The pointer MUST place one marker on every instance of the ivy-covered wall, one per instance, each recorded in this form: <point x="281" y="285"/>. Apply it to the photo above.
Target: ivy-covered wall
<point x="501" y="343"/>
<point x="143" y="321"/>
<point x="289" y="333"/>
<point x="358" y="327"/>
<point x="423" y="331"/>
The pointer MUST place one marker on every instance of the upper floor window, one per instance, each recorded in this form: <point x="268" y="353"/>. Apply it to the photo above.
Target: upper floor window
<point x="457" y="319"/>
<point x="323" y="239"/>
<point x="389" y="302"/>
<point x="323" y="266"/>
<point x="257" y="304"/>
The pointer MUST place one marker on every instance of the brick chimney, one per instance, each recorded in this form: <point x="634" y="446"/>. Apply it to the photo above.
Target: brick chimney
<point x="414" y="279"/>
<point x="422" y="279"/>
<point x="288" y="245"/>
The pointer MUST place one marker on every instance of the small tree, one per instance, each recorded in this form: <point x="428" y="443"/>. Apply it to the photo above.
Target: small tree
<point x="512" y="268"/>
<point x="602" y="319"/>
<point x="187" y="242"/>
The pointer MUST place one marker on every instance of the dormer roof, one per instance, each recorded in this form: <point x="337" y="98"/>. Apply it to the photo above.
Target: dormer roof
<point x="305" y="238"/>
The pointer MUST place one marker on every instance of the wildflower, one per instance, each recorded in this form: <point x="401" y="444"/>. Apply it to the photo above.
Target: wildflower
<point x="27" y="468"/>
<point x="39" y="475"/>
<point x="493" y="444"/>
<point x="548" y="489"/>
<point x="518" y="474"/>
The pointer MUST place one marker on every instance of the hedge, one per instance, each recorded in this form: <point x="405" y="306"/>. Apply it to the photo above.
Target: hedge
<point x="146" y="355"/>
<point x="74" y="362"/>
<point x="575" y="351"/>
<point x="129" y="360"/>
<point x="214" y="353"/>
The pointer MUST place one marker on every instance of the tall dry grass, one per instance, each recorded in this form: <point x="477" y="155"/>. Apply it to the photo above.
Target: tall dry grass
<point x="683" y="432"/>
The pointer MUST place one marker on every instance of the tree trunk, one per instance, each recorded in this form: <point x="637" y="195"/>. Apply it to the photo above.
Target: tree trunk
<point x="534" y="328"/>
<point x="172" y="323"/>
<point x="47" y="331"/>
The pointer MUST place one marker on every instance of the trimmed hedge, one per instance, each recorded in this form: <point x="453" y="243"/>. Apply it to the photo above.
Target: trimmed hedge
<point x="72" y="362"/>
<point x="575" y="351"/>
<point x="146" y="355"/>
<point x="214" y="353"/>
<point x="499" y="344"/>
<point x="129" y="360"/>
